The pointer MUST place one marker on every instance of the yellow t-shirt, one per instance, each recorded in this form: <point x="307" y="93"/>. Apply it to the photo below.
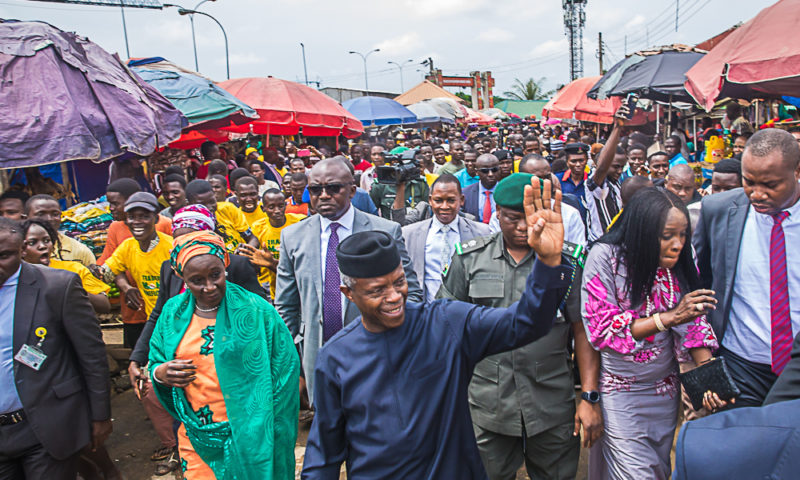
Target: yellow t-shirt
<point x="254" y="216"/>
<point x="270" y="238"/>
<point x="231" y="224"/>
<point x="430" y="178"/>
<point x="91" y="284"/>
<point x="144" y="267"/>
<point x="283" y="171"/>
<point x="516" y="165"/>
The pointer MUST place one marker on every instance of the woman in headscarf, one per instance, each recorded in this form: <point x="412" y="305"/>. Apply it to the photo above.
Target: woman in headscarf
<point x="224" y="364"/>
<point x="190" y="218"/>
<point x="642" y="310"/>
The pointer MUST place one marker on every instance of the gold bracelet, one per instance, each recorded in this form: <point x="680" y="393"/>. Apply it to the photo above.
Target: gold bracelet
<point x="659" y="325"/>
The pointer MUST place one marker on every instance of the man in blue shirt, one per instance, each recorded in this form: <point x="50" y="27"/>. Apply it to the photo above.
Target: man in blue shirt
<point x="572" y="180"/>
<point x="468" y="175"/>
<point x="673" y="148"/>
<point x="391" y="395"/>
<point x="54" y="390"/>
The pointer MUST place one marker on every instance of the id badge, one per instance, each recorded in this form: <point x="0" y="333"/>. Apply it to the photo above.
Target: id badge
<point x="31" y="356"/>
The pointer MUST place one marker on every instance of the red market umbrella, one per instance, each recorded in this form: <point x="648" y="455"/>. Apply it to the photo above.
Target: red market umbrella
<point x="571" y="102"/>
<point x="195" y="138"/>
<point x="284" y="107"/>
<point x="757" y="60"/>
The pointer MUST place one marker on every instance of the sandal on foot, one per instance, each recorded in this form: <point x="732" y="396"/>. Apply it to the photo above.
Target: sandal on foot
<point x="161" y="453"/>
<point x="170" y="465"/>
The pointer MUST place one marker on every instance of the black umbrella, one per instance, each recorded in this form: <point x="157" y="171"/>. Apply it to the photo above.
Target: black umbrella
<point x="658" y="76"/>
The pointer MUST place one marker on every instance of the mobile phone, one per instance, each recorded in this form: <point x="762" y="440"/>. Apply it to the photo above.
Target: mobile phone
<point x="631" y="101"/>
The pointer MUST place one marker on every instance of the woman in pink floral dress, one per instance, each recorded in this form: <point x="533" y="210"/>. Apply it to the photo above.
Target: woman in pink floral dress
<point x="638" y="314"/>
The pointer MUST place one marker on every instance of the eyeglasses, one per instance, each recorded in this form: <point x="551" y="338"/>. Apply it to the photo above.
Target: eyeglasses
<point x="331" y="188"/>
<point x="489" y="170"/>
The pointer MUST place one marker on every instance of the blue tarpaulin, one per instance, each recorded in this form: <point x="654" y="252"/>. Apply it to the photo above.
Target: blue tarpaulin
<point x="378" y="111"/>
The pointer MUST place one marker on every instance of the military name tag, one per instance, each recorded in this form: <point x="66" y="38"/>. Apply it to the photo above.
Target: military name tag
<point x="31" y="356"/>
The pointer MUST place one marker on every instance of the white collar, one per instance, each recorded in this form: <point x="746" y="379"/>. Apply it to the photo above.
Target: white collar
<point x="436" y="224"/>
<point x="346" y="220"/>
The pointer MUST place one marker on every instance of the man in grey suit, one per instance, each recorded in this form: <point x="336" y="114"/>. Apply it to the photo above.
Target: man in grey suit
<point x="432" y="242"/>
<point x="744" y="243"/>
<point x="307" y="292"/>
<point x="54" y="388"/>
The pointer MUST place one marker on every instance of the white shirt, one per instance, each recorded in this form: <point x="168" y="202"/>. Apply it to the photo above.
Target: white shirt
<point x="749" y="331"/>
<point x="346" y="229"/>
<point x="574" y="230"/>
<point x="439" y="249"/>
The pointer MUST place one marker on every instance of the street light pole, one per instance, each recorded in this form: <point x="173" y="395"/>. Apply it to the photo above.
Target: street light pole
<point x="364" y="57"/>
<point x="124" y="28"/>
<point x="305" y="70"/>
<point x="400" y="66"/>
<point x="183" y="11"/>
<point x="194" y="41"/>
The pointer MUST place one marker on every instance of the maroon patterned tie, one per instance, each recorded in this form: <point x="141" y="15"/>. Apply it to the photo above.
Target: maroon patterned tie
<point x="779" y="296"/>
<point x="331" y="295"/>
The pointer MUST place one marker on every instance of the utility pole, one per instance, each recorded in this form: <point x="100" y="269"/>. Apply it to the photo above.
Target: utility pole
<point x="626" y="45"/>
<point x="305" y="70"/>
<point x="677" y="9"/>
<point x="124" y="28"/>
<point x="574" y="21"/>
<point x="600" y="50"/>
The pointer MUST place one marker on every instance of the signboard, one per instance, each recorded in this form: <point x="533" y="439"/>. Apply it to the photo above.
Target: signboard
<point x="112" y="3"/>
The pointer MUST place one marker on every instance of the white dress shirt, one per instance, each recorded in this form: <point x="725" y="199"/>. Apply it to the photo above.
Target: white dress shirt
<point x="439" y="249"/>
<point x="346" y="229"/>
<point x="574" y="230"/>
<point x="749" y="331"/>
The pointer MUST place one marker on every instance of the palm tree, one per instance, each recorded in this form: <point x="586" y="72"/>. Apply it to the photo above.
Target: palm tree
<point x="530" y="90"/>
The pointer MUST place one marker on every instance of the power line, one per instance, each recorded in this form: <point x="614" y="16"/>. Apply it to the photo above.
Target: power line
<point x="688" y="16"/>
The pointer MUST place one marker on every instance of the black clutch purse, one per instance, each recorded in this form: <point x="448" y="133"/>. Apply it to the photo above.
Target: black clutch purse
<point x="712" y="375"/>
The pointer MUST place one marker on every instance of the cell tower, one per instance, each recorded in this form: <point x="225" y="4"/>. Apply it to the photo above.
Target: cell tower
<point x="574" y="21"/>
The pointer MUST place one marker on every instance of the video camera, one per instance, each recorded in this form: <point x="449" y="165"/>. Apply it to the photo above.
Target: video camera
<point x="399" y="168"/>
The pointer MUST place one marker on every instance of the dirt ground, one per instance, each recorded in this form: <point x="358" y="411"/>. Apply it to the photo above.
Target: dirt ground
<point x="134" y="440"/>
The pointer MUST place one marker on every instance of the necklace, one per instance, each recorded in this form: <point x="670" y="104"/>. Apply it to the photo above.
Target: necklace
<point x="670" y="299"/>
<point x="209" y="310"/>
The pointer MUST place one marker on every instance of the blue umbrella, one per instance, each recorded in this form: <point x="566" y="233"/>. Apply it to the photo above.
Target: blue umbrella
<point x="377" y="111"/>
<point x="204" y="104"/>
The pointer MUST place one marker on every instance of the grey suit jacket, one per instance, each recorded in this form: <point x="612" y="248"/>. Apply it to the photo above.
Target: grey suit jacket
<point x="71" y="388"/>
<point x="717" y="241"/>
<point x="416" y="236"/>
<point x="298" y="290"/>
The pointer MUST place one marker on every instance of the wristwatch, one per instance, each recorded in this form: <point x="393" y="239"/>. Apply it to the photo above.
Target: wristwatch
<point x="592" y="397"/>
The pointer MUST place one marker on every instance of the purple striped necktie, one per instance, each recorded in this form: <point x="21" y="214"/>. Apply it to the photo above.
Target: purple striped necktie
<point x="331" y="295"/>
<point x="779" y="296"/>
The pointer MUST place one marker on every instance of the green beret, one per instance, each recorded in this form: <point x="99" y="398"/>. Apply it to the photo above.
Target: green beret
<point x="509" y="192"/>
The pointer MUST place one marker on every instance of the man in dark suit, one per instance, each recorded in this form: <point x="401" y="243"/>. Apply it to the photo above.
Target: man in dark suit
<point x="478" y="197"/>
<point x="757" y="442"/>
<point x="741" y="242"/>
<point x="54" y="388"/>
<point x="787" y="387"/>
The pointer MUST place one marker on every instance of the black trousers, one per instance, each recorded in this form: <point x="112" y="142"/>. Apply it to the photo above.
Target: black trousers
<point x="753" y="379"/>
<point x="22" y="457"/>
<point x="131" y="333"/>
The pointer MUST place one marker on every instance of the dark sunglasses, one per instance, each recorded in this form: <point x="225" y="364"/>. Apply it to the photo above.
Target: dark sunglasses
<point x="491" y="169"/>
<point x="331" y="188"/>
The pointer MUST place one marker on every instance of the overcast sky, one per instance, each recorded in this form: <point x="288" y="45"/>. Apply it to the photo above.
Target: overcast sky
<point x="512" y="38"/>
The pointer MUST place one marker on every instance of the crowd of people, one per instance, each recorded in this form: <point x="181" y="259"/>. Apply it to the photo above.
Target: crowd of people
<point x="430" y="302"/>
